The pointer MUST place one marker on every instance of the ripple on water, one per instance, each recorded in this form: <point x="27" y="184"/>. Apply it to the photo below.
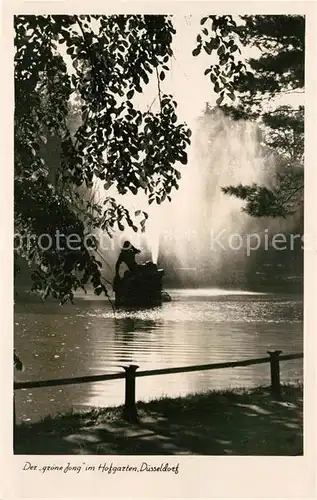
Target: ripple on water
<point x="196" y="328"/>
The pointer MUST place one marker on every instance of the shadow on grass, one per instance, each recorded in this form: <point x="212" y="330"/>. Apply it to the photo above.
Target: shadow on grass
<point x="229" y="422"/>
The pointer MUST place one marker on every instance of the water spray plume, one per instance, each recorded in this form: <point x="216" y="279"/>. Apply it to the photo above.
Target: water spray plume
<point x="224" y="152"/>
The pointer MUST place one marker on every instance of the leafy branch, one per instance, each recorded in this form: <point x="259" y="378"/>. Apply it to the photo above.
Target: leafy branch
<point x="219" y="36"/>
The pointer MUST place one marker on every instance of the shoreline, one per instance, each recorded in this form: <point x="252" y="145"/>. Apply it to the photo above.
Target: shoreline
<point x="219" y="422"/>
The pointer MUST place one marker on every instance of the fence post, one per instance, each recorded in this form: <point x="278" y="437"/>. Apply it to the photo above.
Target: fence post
<point x="130" y="412"/>
<point x="275" y="374"/>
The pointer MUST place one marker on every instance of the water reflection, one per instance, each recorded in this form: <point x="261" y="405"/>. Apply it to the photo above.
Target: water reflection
<point x="196" y="328"/>
<point x="128" y="325"/>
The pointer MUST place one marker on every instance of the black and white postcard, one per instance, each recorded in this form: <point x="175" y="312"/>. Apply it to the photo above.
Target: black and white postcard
<point x="158" y="329"/>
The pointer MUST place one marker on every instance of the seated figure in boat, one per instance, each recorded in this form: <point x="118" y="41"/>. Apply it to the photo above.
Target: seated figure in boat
<point x="127" y="257"/>
<point x="141" y="284"/>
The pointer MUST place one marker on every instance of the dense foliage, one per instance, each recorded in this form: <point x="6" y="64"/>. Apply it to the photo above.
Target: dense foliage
<point x="219" y="36"/>
<point x="282" y="133"/>
<point x="99" y="65"/>
<point x="279" y="70"/>
<point x="108" y="60"/>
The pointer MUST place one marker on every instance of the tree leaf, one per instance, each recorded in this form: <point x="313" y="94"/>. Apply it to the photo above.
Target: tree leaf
<point x="219" y="100"/>
<point x="183" y="158"/>
<point x="221" y="50"/>
<point x="208" y="48"/>
<point x="197" y="50"/>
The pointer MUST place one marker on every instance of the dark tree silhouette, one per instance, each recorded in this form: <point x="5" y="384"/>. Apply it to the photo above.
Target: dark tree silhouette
<point x="278" y="69"/>
<point x="104" y="61"/>
<point x="283" y="138"/>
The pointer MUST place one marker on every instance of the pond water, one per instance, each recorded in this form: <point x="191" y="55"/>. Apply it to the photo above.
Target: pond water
<point x="199" y="326"/>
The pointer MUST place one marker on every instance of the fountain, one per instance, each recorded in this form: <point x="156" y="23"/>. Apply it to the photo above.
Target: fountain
<point x="182" y="235"/>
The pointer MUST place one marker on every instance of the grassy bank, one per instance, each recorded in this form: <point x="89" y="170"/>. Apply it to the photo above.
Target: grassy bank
<point x="231" y="422"/>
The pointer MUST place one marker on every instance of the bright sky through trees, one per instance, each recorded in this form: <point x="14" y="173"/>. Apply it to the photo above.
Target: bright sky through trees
<point x="186" y="79"/>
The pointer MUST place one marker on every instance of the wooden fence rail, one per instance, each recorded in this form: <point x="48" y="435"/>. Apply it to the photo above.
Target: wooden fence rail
<point x="130" y="374"/>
